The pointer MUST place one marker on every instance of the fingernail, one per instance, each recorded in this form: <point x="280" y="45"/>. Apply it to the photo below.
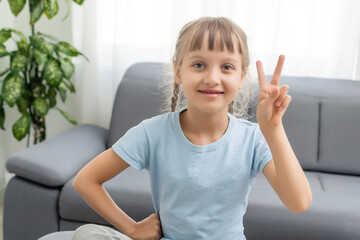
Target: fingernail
<point x="278" y="103"/>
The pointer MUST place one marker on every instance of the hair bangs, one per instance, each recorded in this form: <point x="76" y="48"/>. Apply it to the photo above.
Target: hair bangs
<point x="220" y="35"/>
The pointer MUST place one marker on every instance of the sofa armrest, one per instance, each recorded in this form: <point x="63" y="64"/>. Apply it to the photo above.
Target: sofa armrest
<point x="54" y="161"/>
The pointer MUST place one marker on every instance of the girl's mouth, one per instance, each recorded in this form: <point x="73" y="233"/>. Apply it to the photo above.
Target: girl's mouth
<point x="211" y="93"/>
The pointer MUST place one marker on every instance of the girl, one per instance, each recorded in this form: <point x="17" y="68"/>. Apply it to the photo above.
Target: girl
<point x="202" y="160"/>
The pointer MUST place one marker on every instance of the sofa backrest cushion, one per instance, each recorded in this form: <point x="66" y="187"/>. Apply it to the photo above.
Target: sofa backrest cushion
<point x="301" y="123"/>
<point x="340" y="135"/>
<point x="138" y="97"/>
<point x="322" y="123"/>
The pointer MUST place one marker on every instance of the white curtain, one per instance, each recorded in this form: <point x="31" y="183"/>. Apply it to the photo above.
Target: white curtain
<point x="319" y="38"/>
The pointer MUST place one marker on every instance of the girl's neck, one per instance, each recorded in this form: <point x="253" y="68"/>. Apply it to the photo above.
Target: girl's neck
<point x="203" y="128"/>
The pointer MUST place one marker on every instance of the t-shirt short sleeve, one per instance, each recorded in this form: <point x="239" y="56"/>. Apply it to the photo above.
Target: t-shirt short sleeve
<point x="262" y="154"/>
<point x="133" y="147"/>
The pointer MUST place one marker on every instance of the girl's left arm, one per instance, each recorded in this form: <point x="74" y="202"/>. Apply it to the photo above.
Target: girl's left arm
<point x="284" y="172"/>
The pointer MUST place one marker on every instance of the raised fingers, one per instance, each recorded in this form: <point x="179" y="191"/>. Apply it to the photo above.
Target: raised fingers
<point x="261" y="74"/>
<point x="276" y="77"/>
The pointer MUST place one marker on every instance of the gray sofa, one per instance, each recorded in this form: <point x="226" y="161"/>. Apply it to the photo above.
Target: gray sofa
<point x="322" y="124"/>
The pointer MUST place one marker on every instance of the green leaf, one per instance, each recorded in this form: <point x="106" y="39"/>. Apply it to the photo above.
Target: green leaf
<point x="68" y="9"/>
<point x="21" y="126"/>
<point x="5" y="34"/>
<point x="67" y="49"/>
<point x="12" y="88"/>
<point x="42" y="45"/>
<point x="70" y="86"/>
<point x="39" y="43"/>
<point x="20" y="34"/>
<point x="48" y="36"/>
<point x="51" y="95"/>
<point x="23" y="103"/>
<point x="23" y="48"/>
<point x="40" y="57"/>
<point x="67" y="67"/>
<point x="2" y="115"/>
<point x="79" y="1"/>
<point x="62" y="91"/>
<point x="3" y="51"/>
<point x="67" y="116"/>
<point x="16" y="6"/>
<point x="43" y="89"/>
<point x="50" y="8"/>
<point x="52" y="73"/>
<point x="18" y="63"/>
<point x="36" y="10"/>
<point x="41" y="107"/>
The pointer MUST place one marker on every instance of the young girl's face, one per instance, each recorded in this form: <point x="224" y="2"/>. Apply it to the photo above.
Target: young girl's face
<point x="210" y="79"/>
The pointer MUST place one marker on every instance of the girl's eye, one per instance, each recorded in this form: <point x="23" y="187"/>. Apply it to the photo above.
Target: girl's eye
<point x="227" y="67"/>
<point x="198" y="65"/>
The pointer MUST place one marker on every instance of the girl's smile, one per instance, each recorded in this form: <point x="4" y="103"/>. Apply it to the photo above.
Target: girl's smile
<point x="210" y="93"/>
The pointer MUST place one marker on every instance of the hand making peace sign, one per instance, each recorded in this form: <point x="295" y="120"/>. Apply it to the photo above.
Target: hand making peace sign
<point x="272" y="100"/>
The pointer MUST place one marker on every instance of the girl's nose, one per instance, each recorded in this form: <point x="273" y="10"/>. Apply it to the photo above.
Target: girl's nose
<point x="212" y="77"/>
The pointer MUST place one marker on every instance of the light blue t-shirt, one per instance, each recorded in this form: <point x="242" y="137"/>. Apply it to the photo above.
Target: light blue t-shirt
<point x="199" y="192"/>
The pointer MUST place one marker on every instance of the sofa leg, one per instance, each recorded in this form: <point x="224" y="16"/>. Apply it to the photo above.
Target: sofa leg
<point x="30" y="210"/>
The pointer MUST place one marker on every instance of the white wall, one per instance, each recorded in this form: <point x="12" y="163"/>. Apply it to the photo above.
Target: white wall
<point x="55" y="122"/>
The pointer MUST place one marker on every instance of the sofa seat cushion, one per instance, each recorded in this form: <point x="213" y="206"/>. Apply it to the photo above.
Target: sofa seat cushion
<point x="130" y="190"/>
<point x="334" y="213"/>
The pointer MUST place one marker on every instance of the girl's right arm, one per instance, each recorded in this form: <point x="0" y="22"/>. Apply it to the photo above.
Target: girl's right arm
<point x="88" y="183"/>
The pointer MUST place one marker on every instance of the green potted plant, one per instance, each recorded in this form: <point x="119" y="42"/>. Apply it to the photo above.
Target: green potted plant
<point x="39" y="70"/>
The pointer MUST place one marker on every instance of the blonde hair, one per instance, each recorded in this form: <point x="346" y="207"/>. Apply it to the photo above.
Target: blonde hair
<point x="191" y="38"/>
